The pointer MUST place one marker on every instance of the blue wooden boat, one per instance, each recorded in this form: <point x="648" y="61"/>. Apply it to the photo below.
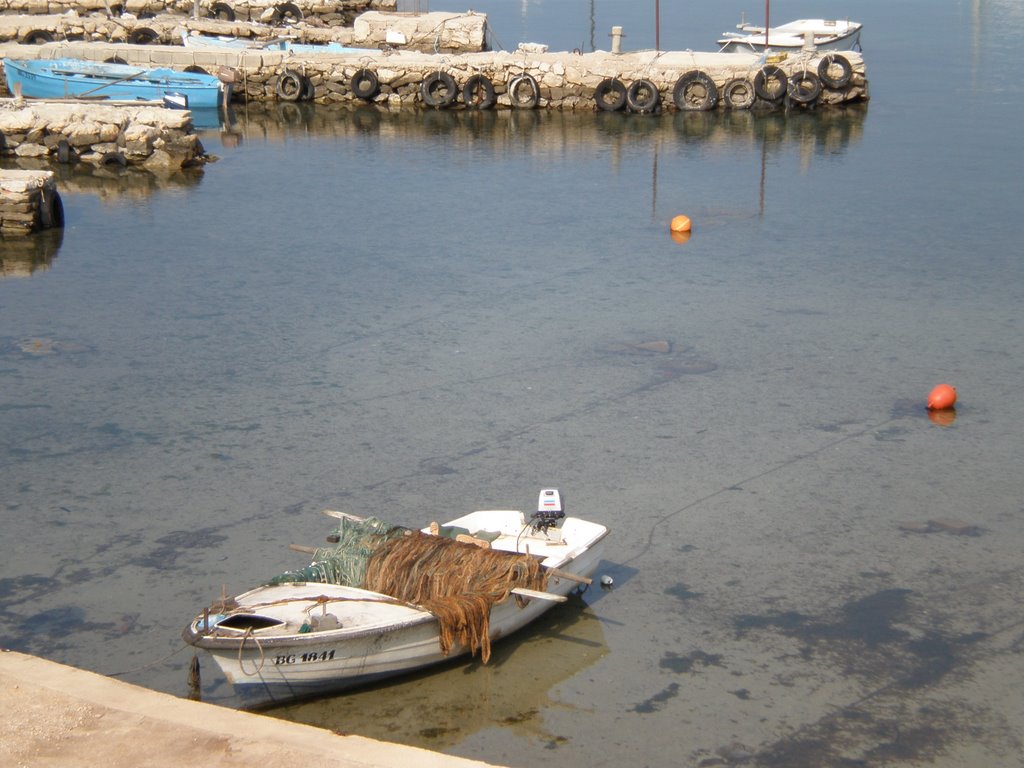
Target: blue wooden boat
<point x="79" y="79"/>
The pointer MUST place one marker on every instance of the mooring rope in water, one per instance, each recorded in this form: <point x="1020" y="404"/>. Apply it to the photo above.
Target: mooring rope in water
<point x="147" y="666"/>
<point x="771" y="470"/>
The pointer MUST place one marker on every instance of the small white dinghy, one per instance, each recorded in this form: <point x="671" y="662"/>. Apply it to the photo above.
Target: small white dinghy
<point x="824" y="34"/>
<point x="384" y="600"/>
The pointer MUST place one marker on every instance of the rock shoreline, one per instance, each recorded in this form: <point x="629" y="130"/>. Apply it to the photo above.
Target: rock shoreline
<point x="428" y="32"/>
<point x="328" y="12"/>
<point x="29" y="202"/>
<point x="153" y="138"/>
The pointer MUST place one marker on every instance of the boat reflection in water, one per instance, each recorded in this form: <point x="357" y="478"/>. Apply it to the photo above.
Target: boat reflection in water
<point x="438" y="709"/>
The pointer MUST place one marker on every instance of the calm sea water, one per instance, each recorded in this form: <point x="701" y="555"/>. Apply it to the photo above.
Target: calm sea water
<point x="418" y="315"/>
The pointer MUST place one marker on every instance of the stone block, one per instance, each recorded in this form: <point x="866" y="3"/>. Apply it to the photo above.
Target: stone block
<point x="31" y="150"/>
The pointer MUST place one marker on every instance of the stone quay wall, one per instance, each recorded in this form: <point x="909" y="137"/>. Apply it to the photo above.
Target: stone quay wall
<point x="29" y="202"/>
<point x="327" y="12"/>
<point x="566" y="81"/>
<point x="110" y="134"/>
<point x="519" y="79"/>
<point x="428" y="32"/>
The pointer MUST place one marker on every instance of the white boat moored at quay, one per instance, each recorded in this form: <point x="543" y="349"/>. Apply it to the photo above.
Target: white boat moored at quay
<point x="824" y="34"/>
<point x="387" y="600"/>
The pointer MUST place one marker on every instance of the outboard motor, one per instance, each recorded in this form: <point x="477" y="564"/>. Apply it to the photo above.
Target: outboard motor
<point x="549" y="510"/>
<point x="175" y="100"/>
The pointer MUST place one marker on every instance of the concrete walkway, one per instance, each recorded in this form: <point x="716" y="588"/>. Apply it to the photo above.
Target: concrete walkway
<point x="55" y="715"/>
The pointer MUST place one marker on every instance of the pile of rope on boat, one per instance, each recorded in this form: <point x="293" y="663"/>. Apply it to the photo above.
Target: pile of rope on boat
<point x="457" y="582"/>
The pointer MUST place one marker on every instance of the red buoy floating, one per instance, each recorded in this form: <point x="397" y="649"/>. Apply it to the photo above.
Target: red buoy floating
<point x="680" y="223"/>
<point x="942" y="397"/>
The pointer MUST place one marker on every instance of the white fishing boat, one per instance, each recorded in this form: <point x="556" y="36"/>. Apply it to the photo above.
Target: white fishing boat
<point x="825" y="34"/>
<point x="221" y="42"/>
<point x="385" y="601"/>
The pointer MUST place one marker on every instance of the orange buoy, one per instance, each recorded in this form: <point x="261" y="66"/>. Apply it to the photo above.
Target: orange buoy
<point x="680" y="237"/>
<point x="680" y="224"/>
<point x="942" y="397"/>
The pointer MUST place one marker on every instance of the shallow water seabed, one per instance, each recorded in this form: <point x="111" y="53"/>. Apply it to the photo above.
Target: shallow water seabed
<point x="232" y="377"/>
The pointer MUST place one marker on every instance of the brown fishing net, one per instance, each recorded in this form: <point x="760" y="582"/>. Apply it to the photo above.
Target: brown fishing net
<point x="458" y="583"/>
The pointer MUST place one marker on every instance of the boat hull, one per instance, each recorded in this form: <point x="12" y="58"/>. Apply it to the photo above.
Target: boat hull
<point x="249" y="44"/>
<point x="399" y="639"/>
<point x="73" y="78"/>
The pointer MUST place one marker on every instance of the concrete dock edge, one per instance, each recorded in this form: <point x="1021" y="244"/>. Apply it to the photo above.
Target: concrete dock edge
<point x="56" y="715"/>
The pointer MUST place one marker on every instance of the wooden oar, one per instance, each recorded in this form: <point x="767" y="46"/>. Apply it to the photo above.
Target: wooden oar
<point x="112" y="82"/>
<point x="344" y="515"/>
<point x="559" y="574"/>
<point x="524" y="592"/>
<point x="556" y="572"/>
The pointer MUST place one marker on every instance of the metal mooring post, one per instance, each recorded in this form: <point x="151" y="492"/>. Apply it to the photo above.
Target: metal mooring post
<point x="617" y="39"/>
<point x="657" y="25"/>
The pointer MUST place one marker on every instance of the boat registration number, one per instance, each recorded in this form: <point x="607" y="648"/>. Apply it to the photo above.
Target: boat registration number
<point x="300" y="658"/>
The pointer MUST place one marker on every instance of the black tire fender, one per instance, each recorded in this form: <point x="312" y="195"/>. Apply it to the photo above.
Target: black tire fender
<point x="291" y="86"/>
<point x="65" y="154"/>
<point x="143" y="36"/>
<point x="695" y="91"/>
<point x="37" y="37"/>
<point x="826" y="67"/>
<point x="804" y="87"/>
<point x="284" y="10"/>
<point x="643" y="97"/>
<point x="222" y="11"/>
<point x="438" y="89"/>
<point x="309" y="93"/>
<point x="114" y="60"/>
<point x="478" y="93"/>
<point x="51" y="210"/>
<point x="114" y="158"/>
<point x="763" y="80"/>
<point x="523" y="91"/>
<point x="364" y="84"/>
<point x="739" y="93"/>
<point x="196" y="69"/>
<point x="610" y="95"/>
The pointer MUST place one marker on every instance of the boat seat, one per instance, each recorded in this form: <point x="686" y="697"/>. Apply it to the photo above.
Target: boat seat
<point x="455" y="532"/>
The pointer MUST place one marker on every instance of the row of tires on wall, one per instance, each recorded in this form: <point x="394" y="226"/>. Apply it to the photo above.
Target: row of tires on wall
<point x="438" y="89"/>
<point x="283" y="13"/>
<point x="693" y="91"/>
<point x="696" y="91"/>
